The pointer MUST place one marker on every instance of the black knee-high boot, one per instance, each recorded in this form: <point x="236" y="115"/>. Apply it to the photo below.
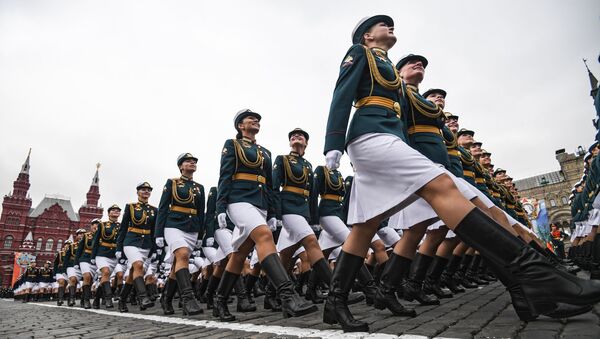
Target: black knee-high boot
<point x="186" y="293"/>
<point x="542" y="284"/>
<point x="220" y="309"/>
<point x="250" y="282"/>
<point x="61" y="295"/>
<point x="431" y="285"/>
<point x="97" y="296"/>
<point x="473" y="271"/>
<point x="460" y="275"/>
<point x="243" y="303"/>
<point x="336" y="306"/>
<point x="271" y="302"/>
<point x="311" y="288"/>
<point x="72" y="290"/>
<point x="521" y="305"/>
<point x="413" y="288"/>
<point x="142" y="293"/>
<point x="447" y="278"/>
<point x="367" y="283"/>
<point x="390" y="278"/>
<point x="291" y="304"/>
<point x="122" y="304"/>
<point x="202" y="289"/>
<point x="213" y="283"/>
<point x="166" y="297"/>
<point x="87" y="293"/>
<point x="108" y="297"/>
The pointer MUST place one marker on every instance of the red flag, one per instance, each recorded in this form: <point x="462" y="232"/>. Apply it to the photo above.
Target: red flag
<point x="16" y="269"/>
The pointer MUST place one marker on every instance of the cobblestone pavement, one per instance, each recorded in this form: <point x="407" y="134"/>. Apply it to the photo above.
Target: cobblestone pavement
<point x="480" y="313"/>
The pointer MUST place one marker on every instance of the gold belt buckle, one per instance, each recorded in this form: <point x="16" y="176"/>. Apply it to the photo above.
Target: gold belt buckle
<point x="397" y="108"/>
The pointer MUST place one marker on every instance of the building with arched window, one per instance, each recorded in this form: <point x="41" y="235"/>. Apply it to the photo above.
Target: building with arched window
<point x="52" y="219"/>
<point x="554" y="187"/>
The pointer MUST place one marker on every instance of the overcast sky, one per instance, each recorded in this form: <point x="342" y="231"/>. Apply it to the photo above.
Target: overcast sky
<point x="132" y="84"/>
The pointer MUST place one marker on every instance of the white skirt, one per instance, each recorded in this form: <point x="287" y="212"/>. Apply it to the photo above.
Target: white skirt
<point x="387" y="174"/>
<point x="177" y="238"/>
<point x="224" y="238"/>
<point x="596" y="202"/>
<point x="210" y="253"/>
<point x="134" y="254"/>
<point x="388" y="235"/>
<point x="120" y="268"/>
<point x="594" y="218"/>
<point x="86" y="267"/>
<point x="59" y="276"/>
<point x="436" y="225"/>
<point x="335" y="230"/>
<point x="296" y="228"/>
<point x="335" y="253"/>
<point x="246" y="217"/>
<point x="74" y="272"/>
<point x="102" y="262"/>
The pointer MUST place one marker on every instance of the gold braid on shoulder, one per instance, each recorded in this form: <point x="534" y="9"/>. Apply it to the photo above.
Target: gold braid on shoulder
<point x="467" y="158"/>
<point x="334" y="187"/>
<point x="240" y="156"/>
<point x="177" y="197"/>
<point x="290" y="175"/>
<point x="450" y="144"/>
<point x="387" y="84"/>
<point x="426" y="107"/>
<point x="135" y="221"/>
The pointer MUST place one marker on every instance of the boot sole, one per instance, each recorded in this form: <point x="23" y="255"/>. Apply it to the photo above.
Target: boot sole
<point x="288" y="314"/>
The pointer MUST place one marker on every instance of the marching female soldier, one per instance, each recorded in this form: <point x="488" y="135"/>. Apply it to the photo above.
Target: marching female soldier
<point x="245" y="193"/>
<point x="136" y="240"/>
<point x="103" y="251"/>
<point x="60" y="272"/>
<point x="180" y="220"/>
<point x="83" y="259"/>
<point x="390" y="175"/>
<point x="296" y="205"/>
<point x="73" y="271"/>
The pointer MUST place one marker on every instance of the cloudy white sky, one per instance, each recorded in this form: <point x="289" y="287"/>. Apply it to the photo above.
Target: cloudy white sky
<point x="132" y="84"/>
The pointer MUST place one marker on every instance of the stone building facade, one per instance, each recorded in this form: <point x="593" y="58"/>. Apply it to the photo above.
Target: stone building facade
<point x="48" y="224"/>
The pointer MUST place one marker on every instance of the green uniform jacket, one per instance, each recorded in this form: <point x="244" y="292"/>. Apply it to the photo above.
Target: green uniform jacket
<point x="70" y="257"/>
<point x="105" y="239"/>
<point x="355" y="82"/>
<point x="452" y="149"/>
<point x="181" y="206"/>
<point x="84" y="248"/>
<point x="296" y="172"/>
<point x="244" y="157"/>
<point x="468" y="165"/>
<point x="430" y="144"/>
<point x="59" y="261"/>
<point x="31" y="274"/>
<point x="46" y="275"/>
<point x="138" y="216"/>
<point x="330" y="182"/>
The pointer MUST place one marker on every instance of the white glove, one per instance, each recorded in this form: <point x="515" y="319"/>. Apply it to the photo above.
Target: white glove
<point x="210" y="242"/>
<point x="222" y="219"/>
<point x="199" y="243"/>
<point x="159" y="251"/>
<point x="160" y="242"/>
<point x="93" y="261"/>
<point x="332" y="159"/>
<point x="153" y="257"/>
<point x="118" y="254"/>
<point x="315" y="228"/>
<point x="272" y="224"/>
<point x="76" y="267"/>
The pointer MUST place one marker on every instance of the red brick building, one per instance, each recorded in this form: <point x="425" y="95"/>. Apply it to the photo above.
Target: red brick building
<point x="50" y="223"/>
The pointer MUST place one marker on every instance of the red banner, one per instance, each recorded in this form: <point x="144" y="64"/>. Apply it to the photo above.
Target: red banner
<point x="16" y="269"/>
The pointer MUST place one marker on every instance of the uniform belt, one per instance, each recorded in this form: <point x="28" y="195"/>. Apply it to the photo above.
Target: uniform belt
<point x="496" y="195"/>
<point x="139" y="230"/>
<point x="335" y="197"/>
<point x="296" y="190"/>
<point x="88" y="251"/>
<point x="374" y="100"/>
<point x="454" y="152"/>
<point x="185" y="210"/>
<point x="480" y="180"/>
<point x="423" y="129"/>
<point x="510" y="206"/>
<point x="250" y="177"/>
<point x="469" y="174"/>
<point x="107" y="244"/>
